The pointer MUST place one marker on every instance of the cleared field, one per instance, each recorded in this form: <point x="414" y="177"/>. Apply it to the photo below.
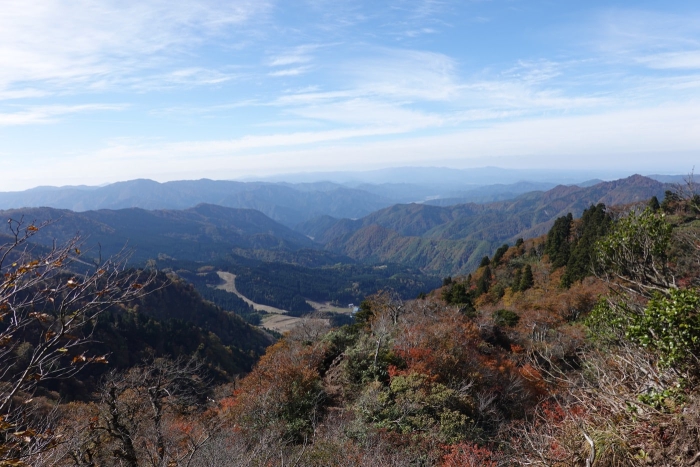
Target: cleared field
<point x="229" y="285"/>
<point x="277" y="319"/>
<point x="282" y="323"/>
<point x="326" y="306"/>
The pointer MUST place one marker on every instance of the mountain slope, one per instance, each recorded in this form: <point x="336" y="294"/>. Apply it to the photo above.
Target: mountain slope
<point x="451" y="240"/>
<point x="198" y="233"/>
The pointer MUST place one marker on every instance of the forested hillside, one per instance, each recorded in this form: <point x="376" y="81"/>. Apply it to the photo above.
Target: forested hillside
<point x="204" y="232"/>
<point x="531" y="360"/>
<point x="451" y="240"/>
<point x="289" y="286"/>
<point x="275" y="265"/>
<point x="578" y="347"/>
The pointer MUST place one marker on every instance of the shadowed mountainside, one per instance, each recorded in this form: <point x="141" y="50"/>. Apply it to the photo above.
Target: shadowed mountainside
<point x="200" y="233"/>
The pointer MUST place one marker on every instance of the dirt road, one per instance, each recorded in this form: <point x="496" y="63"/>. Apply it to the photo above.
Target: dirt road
<point x="229" y="285"/>
<point x="277" y="320"/>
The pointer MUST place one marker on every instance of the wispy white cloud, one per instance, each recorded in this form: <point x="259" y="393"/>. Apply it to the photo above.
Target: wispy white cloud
<point x="612" y="139"/>
<point x="416" y="11"/>
<point x="415" y="18"/>
<point x="179" y="78"/>
<point x="199" y="111"/>
<point x="427" y="8"/>
<point x="361" y="112"/>
<point x="59" y="45"/>
<point x="406" y="81"/>
<point x="295" y="56"/>
<point x="688" y="60"/>
<point x="304" y="97"/>
<point x="396" y="86"/>
<point x="398" y="73"/>
<point x="419" y="32"/>
<point x="50" y="113"/>
<point x="290" y="71"/>
<point x="186" y="150"/>
<point x="518" y="95"/>
<point x="22" y="93"/>
<point x="654" y="39"/>
<point x="638" y="55"/>
<point x="630" y="31"/>
<point x="295" y="61"/>
<point x="534" y="71"/>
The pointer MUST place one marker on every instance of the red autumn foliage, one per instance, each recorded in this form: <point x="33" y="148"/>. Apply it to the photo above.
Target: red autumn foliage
<point x="468" y="455"/>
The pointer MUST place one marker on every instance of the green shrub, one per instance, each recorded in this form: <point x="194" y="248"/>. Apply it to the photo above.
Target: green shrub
<point x="506" y="318"/>
<point x="671" y="326"/>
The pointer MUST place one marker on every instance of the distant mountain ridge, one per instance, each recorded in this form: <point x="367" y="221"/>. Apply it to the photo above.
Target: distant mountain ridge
<point x="451" y="240"/>
<point x="441" y="176"/>
<point x="294" y="203"/>
<point x="436" y="239"/>
<point x="491" y="193"/>
<point x="200" y="233"/>
<point x="278" y="201"/>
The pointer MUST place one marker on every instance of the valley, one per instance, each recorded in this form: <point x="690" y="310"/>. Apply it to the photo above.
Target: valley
<point x="406" y="233"/>
<point x="229" y="285"/>
<point x="377" y="316"/>
<point x="277" y="319"/>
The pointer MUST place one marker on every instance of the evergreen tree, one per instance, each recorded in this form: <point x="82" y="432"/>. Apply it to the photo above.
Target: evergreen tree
<point x="517" y="277"/>
<point x="484" y="262"/>
<point x="459" y="294"/>
<point x="557" y="245"/>
<point x="499" y="253"/>
<point x="654" y="203"/>
<point x="506" y="318"/>
<point x="364" y="314"/>
<point x="527" y="280"/>
<point x="671" y="201"/>
<point x="594" y="224"/>
<point x="484" y="282"/>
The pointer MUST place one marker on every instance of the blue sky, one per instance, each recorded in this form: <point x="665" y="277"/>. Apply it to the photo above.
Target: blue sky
<point x="97" y="91"/>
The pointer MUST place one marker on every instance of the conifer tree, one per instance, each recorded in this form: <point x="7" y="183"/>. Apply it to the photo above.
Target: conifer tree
<point x="654" y="203"/>
<point x="557" y="244"/>
<point x="517" y="277"/>
<point x="484" y="282"/>
<point x="527" y="280"/>
<point x="499" y="253"/>
<point x="595" y="224"/>
<point x="671" y="201"/>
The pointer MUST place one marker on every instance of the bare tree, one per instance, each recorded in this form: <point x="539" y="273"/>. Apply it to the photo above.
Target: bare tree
<point x="49" y="301"/>
<point x="156" y="414"/>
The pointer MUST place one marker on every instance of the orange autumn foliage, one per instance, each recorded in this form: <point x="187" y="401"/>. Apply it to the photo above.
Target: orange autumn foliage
<point x="468" y="455"/>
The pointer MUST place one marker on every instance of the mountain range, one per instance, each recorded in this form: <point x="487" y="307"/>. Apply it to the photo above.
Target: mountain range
<point x="280" y="202"/>
<point x="434" y="238"/>
<point x="349" y="196"/>
<point x="452" y="239"/>
<point x="199" y="234"/>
